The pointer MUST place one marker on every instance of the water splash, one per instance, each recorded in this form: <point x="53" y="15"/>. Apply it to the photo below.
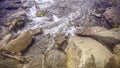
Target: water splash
<point x="57" y="25"/>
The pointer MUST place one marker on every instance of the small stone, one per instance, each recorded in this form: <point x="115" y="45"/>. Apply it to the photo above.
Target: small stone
<point x="60" y="41"/>
<point x="40" y="14"/>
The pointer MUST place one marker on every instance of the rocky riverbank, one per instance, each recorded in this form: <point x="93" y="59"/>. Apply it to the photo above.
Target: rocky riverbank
<point x="59" y="34"/>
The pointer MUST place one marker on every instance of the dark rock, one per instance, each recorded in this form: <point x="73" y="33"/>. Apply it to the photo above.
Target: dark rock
<point x="112" y="14"/>
<point x="60" y="41"/>
<point x="7" y="7"/>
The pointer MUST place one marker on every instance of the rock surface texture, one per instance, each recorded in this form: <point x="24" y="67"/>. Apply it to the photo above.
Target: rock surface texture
<point x="59" y="34"/>
<point x="85" y="52"/>
<point x="109" y="37"/>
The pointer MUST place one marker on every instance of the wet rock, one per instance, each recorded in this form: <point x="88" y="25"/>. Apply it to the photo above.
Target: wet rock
<point x="35" y="63"/>
<point x="20" y="43"/>
<point x="8" y="63"/>
<point x="3" y="30"/>
<point x="117" y="49"/>
<point x="40" y="13"/>
<point x="40" y="44"/>
<point x="90" y="30"/>
<point x="8" y="7"/>
<point x="115" y="2"/>
<point x="85" y="52"/>
<point x="55" y="59"/>
<point x="16" y="20"/>
<point x="16" y="24"/>
<point x="112" y="14"/>
<point x="5" y="40"/>
<point x="109" y="37"/>
<point x="52" y="59"/>
<point x="114" y="62"/>
<point x="60" y="41"/>
<point x="82" y="13"/>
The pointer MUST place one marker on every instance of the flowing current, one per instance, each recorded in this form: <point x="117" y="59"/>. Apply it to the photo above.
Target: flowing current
<point x="52" y="23"/>
<point x="65" y="16"/>
<point x="61" y="16"/>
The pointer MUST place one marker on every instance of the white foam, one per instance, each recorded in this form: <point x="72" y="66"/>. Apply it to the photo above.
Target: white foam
<point x="36" y="26"/>
<point x="43" y="1"/>
<point x="59" y="24"/>
<point x="32" y="12"/>
<point x="39" y="19"/>
<point x="71" y="30"/>
<point x="55" y="18"/>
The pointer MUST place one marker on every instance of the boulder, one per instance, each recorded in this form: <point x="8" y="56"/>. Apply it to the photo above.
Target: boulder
<point x="35" y="63"/>
<point x="55" y="59"/>
<point x="85" y="52"/>
<point x="114" y="62"/>
<point x="117" y="49"/>
<point x="5" y="40"/>
<point x="115" y="2"/>
<point x="52" y="59"/>
<point x="109" y="37"/>
<point x="60" y="41"/>
<point x="8" y="63"/>
<point x="20" y="43"/>
<point x="90" y="30"/>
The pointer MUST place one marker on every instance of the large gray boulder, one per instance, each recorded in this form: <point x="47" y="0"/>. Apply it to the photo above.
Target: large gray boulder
<point x="108" y="37"/>
<point x="85" y="52"/>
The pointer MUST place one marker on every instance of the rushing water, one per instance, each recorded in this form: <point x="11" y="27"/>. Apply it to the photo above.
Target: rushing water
<point x="64" y="16"/>
<point x="52" y="27"/>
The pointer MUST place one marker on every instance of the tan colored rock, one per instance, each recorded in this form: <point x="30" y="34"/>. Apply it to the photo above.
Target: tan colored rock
<point x="115" y="2"/>
<point x="60" y="41"/>
<point x="117" y="49"/>
<point x="16" y="15"/>
<point x="8" y="63"/>
<point x="114" y="62"/>
<point x="35" y="63"/>
<point x="52" y="59"/>
<point x="90" y="30"/>
<point x="20" y="43"/>
<point x="109" y="37"/>
<point x="55" y="59"/>
<point x="85" y="52"/>
<point x="5" y="40"/>
<point x="12" y="47"/>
